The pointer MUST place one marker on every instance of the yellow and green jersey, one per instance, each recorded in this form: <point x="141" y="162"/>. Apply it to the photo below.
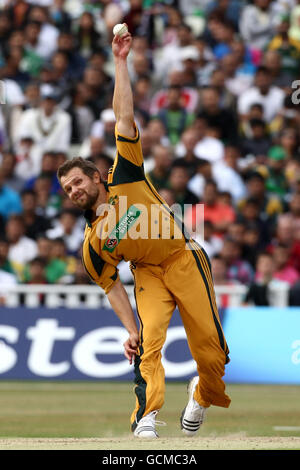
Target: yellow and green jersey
<point x="134" y="225"/>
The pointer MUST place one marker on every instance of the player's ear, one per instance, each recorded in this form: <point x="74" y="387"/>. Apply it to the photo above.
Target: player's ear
<point x="97" y="177"/>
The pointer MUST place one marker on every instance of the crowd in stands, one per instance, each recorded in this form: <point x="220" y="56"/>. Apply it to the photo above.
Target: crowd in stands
<point x="217" y="100"/>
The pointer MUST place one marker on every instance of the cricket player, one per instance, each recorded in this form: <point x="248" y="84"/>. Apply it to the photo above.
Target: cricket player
<point x="127" y="220"/>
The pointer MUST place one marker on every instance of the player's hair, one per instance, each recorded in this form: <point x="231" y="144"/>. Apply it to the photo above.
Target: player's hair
<point x="88" y="168"/>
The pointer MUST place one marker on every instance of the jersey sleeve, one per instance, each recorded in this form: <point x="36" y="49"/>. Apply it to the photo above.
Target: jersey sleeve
<point x="130" y="148"/>
<point x="102" y="273"/>
<point x="128" y="166"/>
<point x="110" y="275"/>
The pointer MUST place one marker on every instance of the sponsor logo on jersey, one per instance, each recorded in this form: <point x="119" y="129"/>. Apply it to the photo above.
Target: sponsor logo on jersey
<point x="121" y="229"/>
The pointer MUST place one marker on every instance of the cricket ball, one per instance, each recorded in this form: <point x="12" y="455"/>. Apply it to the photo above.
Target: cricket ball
<point x="120" y="29"/>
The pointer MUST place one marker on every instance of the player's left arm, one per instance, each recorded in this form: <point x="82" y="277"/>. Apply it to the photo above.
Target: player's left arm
<point x="120" y="303"/>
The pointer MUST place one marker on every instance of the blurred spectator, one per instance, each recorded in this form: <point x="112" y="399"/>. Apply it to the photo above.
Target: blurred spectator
<point x="294" y="31"/>
<point x="226" y="174"/>
<point x="276" y="181"/>
<point x="60" y="266"/>
<point x="259" y="142"/>
<point x="59" y="16"/>
<point x="82" y="118"/>
<point x="21" y="248"/>
<point x="103" y="162"/>
<point x="47" y="204"/>
<point x="47" y="39"/>
<point x="216" y="116"/>
<point x="104" y="128"/>
<point x="264" y="92"/>
<point x="189" y="96"/>
<point x="261" y="290"/>
<point x="208" y="147"/>
<point x="28" y="162"/>
<point x="142" y="97"/>
<point x="34" y="224"/>
<point x="269" y="206"/>
<point x="66" y="43"/>
<point x="218" y="81"/>
<point x="48" y="167"/>
<point x="236" y="80"/>
<point x="80" y="275"/>
<point x="37" y="271"/>
<point x="48" y="125"/>
<point x="158" y="132"/>
<point x="87" y="37"/>
<point x="185" y="149"/>
<point x="289" y="140"/>
<point x="219" y="214"/>
<point x="210" y="242"/>
<point x="287" y="47"/>
<point x="98" y="88"/>
<point x="294" y="295"/>
<point x="174" y="116"/>
<point x="204" y="173"/>
<point x="168" y="195"/>
<point x="249" y="214"/>
<point x="227" y="9"/>
<point x="68" y="227"/>
<point x="178" y="181"/>
<point x="160" y="173"/>
<point x="12" y="68"/>
<point x="237" y="269"/>
<point x="283" y="271"/>
<point x="10" y="202"/>
<point x="169" y="56"/>
<point x="273" y="62"/>
<point x="5" y="263"/>
<point x="8" y="167"/>
<point x="257" y="24"/>
<point x="219" y="274"/>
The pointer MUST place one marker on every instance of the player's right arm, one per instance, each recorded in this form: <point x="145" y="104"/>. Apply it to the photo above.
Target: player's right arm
<point x="123" y="98"/>
<point x="127" y="134"/>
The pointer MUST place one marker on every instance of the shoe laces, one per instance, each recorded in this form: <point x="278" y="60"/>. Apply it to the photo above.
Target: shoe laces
<point x="151" y="417"/>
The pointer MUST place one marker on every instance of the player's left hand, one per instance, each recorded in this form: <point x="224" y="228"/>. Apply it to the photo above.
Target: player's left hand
<point x="121" y="45"/>
<point x="130" y="347"/>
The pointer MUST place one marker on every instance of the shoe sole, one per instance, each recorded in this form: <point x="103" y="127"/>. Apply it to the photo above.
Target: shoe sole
<point x="145" y="433"/>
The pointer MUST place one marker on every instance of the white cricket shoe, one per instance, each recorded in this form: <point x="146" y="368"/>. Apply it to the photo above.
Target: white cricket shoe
<point x="193" y="414"/>
<point x="146" y="426"/>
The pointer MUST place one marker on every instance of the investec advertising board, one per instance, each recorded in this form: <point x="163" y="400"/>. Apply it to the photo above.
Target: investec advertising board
<point x="76" y="344"/>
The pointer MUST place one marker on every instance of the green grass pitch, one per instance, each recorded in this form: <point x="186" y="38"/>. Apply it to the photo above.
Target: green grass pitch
<point x="82" y="410"/>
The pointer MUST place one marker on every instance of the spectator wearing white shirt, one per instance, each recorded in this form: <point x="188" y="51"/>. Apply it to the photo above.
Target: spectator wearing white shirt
<point x="169" y="57"/>
<point x="258" y="23"/>
<point x="69" y="227"/>
<point x="48" y="35"/>
<point x="225" y="174"/>
<point x="48" y="125"/>
<point x="207" y="148"/>
<point x="21" y="248"/>
<point x="270" y="97"/>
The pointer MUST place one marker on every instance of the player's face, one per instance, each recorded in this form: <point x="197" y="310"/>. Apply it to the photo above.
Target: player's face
<point x="80" y="188"/>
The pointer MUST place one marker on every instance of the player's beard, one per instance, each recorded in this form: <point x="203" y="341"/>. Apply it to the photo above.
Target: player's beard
<point x="88" y="199"/>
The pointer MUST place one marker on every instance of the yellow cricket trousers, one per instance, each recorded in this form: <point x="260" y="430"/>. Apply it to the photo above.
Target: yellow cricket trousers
<point x="184" y="280"/>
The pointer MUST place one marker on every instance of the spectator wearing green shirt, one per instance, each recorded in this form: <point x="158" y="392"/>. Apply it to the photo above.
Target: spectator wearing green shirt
<point x="174" y="116"/>
<point x="276" y="181"/>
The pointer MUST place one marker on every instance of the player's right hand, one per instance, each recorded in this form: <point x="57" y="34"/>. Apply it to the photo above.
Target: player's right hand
<point x="121" y="45"/>
<point x="130" y="347"/>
